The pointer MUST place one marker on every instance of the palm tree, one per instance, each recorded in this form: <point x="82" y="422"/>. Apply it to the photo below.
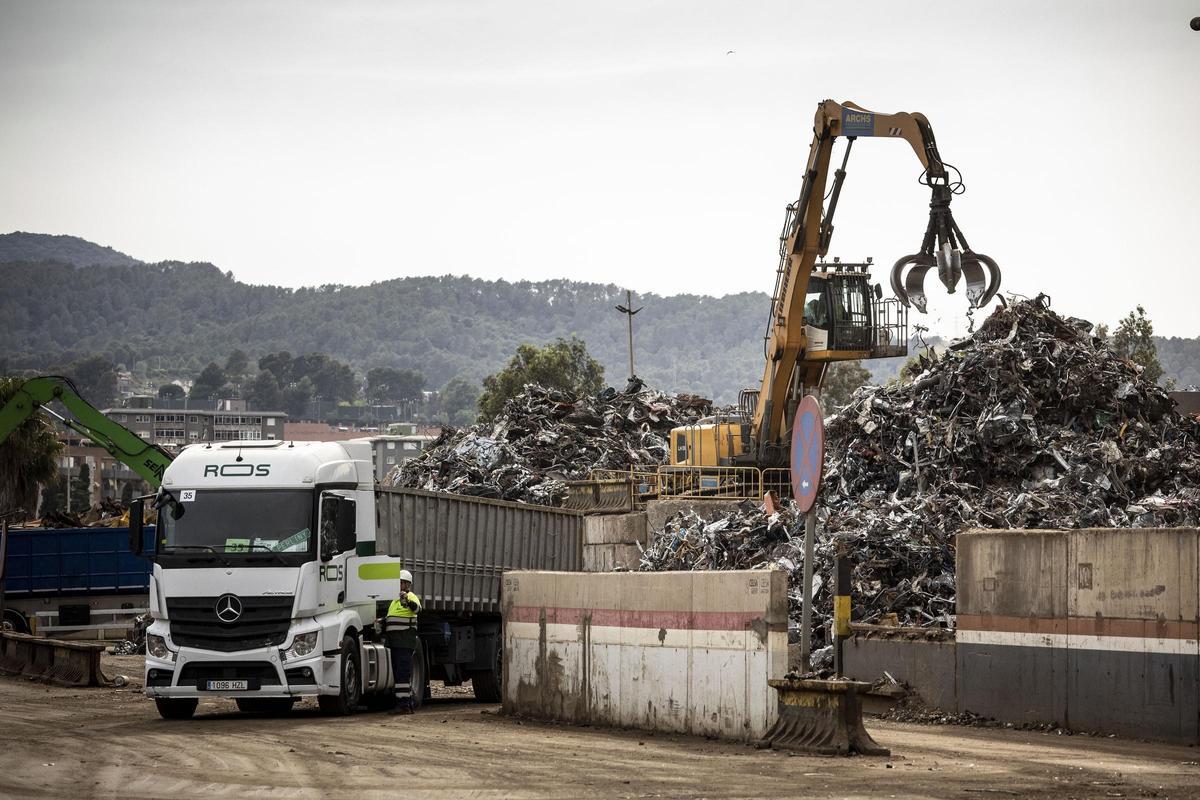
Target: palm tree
<point x="28" y="457"/>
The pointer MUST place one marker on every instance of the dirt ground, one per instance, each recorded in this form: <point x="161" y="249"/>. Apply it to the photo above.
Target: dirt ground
<point x="99" y="743"/>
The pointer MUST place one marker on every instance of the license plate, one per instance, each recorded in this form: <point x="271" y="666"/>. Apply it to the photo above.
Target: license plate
<point x="227" y="686"/>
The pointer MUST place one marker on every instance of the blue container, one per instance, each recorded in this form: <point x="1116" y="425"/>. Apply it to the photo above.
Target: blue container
<point x="80" y="561"/>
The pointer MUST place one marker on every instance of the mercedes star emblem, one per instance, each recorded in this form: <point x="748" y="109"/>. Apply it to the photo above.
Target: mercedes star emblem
<point x="228" y="608"/>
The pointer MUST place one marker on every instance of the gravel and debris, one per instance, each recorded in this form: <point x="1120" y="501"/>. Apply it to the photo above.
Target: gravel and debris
<point x="545" y="437"/>
<point x="1031" y="422"/>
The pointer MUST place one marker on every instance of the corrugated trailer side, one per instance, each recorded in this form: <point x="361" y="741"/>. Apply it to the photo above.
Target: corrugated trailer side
<point x="458" y="547"/>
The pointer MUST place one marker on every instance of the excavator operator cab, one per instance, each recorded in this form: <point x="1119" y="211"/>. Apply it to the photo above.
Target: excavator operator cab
<point x="844" y="313"/>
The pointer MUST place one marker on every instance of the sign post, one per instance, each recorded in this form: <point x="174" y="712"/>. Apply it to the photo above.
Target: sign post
<point x="808" y="461"/>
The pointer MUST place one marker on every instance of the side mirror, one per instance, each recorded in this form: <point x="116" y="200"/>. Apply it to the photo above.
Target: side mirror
<point x="136" y="512"/>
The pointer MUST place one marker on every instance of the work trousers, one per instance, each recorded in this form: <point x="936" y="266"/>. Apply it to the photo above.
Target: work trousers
<point x="402" y="659"/>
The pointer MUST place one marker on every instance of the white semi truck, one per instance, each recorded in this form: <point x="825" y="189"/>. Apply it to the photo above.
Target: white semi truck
<point x="273" y="560"/>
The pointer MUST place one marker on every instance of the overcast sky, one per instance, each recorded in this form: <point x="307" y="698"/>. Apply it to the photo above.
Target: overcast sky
<point x="351" y="142"/>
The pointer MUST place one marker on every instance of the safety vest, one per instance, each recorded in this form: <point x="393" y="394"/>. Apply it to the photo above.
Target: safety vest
<point x="400" y="617"/>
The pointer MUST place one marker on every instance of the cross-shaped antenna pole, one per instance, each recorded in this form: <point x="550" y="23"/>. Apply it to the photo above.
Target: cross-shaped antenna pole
<point x="628" y="310"/>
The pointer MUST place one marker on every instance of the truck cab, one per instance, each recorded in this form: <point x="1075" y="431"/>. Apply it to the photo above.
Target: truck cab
<point x="265" y="580"/>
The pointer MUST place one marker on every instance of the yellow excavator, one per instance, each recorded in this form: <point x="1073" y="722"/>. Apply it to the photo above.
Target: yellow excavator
<point x="823" y="312"/>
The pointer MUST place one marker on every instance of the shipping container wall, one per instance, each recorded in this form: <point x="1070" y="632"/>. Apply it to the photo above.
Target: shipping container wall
<point x="458" y="547"/>
<point x="45" y="561"/>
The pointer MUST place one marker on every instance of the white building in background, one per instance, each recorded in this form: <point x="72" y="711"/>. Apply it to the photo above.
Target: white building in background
<point x="391" y="451"/>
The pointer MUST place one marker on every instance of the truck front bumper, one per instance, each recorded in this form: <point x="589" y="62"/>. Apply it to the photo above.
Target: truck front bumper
<point x="192" y="672"/>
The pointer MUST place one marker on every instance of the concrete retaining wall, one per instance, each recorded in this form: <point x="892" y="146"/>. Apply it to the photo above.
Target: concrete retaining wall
<point x="687" y="652"/>
<point x="1094" y="629"/>
<point x="918" y="658"/>
<point x="610" y="541"/>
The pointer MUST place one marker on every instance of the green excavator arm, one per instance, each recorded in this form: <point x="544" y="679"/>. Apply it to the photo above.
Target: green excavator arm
<point x="144" y="458"/>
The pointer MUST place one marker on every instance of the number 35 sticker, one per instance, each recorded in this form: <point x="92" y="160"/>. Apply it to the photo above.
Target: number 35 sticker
<point x="187" y="495"/>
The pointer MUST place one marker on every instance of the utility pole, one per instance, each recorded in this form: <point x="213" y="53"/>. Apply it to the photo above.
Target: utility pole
<point x="628" y="310"/>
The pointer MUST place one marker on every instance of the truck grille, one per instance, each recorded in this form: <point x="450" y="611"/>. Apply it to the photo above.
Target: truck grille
<point x="263" y="623"/>
<point x="260" y="672"/>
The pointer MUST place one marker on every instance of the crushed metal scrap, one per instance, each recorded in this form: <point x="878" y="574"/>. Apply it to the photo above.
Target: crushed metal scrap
<point x="1031" y="422"/>
<point x="135" y="644"/>
<point x="545" y="437"/>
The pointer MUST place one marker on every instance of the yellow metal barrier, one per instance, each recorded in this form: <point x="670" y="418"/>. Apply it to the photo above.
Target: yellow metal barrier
<point x="731" y="483"/>
<point x="777" y="480"/>
<point x="734" y="483"/>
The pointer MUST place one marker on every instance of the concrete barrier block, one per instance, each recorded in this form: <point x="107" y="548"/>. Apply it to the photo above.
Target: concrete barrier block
<point x="1005" y="579"/>
<point x="928" y="667"/>
<point x="609" y="557"/>
<point x="1134" y="659"/>
<point x="1012" y="573"/>
<point x="615" y="529"/>
<point x="688" y="652"/>
<point x="1102" y="635"/>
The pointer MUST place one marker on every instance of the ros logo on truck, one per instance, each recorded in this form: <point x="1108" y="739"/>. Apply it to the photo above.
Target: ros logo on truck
<point x="237" y="470"/>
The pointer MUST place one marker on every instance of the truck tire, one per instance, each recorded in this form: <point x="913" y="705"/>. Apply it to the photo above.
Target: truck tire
<point x="176" y="708"/>
<point x="345" y="702"/>
<point x="270" y="706"/>
<point x="487" y="683"/>
<point x="420" y="676"/>
<point x="15" y="621"/>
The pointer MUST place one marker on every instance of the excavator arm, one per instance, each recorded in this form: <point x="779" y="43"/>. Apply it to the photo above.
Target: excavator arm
<point x="807" y="232"/>
<point x="147" y="460"/>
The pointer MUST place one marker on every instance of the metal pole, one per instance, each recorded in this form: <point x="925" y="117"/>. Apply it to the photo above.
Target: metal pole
<point x="841" y="606"/>
<point x="629" y="304"/>
<point x="810" y="530"/>
<point x="628" y="310"/>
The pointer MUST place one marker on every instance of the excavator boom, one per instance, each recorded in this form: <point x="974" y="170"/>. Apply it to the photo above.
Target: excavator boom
<point x="790" y="368"/>
<point x="147" y="460"/>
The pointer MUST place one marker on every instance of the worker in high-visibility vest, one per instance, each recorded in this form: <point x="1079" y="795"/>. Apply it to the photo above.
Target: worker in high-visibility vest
<point x="400" y="627"/>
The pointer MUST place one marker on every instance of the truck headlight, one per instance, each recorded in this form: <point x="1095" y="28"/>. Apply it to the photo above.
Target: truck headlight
<point x="302" y="645"/>
<point x="156" y="646"/>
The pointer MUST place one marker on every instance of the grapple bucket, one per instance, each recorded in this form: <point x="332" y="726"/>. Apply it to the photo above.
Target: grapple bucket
<point x="981" y="272"/>
<point x="821" y="717"/>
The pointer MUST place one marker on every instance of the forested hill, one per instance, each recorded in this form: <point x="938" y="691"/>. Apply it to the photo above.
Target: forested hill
<point x="178" y="317"/>
<point x="170" y="319"/>
<point x="22" y="246"/>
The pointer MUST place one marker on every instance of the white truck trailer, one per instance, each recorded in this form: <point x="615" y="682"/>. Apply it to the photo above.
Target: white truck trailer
<point x="273" y="560"/>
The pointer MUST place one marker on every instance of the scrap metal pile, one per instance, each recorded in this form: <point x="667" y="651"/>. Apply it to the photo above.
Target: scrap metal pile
<point x="1032" y="422"/>
<point x="544" y="437"/>
<point x="135" y="643"/>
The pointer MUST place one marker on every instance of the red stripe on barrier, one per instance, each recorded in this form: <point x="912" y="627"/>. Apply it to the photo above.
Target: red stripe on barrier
<point x="616" y="618"/>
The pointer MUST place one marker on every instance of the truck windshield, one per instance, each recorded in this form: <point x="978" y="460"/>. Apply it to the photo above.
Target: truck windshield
<point x="238" y="521"/>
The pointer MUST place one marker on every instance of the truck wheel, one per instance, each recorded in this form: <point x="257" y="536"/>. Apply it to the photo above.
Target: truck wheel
<point x="270" y="706"/>
<point x="420" y="676"/>
<point x="345" y="701"/>
<point x="487" y="684"/>
<point x="15" y="621"/>
<point x="176" y="708"/>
